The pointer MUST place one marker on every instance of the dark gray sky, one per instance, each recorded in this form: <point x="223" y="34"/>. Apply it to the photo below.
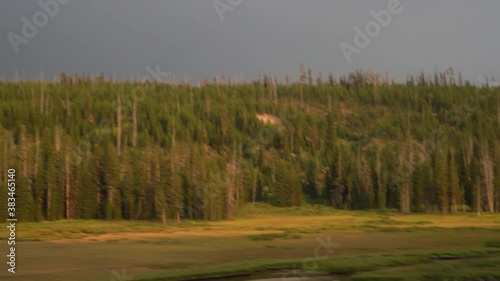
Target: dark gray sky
<point x="123" y="37"/>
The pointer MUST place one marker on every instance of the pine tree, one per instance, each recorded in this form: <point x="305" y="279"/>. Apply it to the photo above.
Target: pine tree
<point x="160" y="198"/>
<point x="175" y="192"/>
<point x="119" y="125"/>
<point x="497" y="178"/>
<point x="24" y="199"/>
<point x="111" y="181"/>
<point x="381" y="176"/>
<point x="4" y="166"/>
<point x="331" y="138"/>
<point x="419" y="182"/>
<point x="288" y="192"/>
<point x="404" y="171"/>
<point x="88" y="206"/>
<point x="310" y="188"/>
<point x="365" y="182"/>
<point x="67" y="185"/>
<point x="454" y="185"/>
<point x="442" y="179"/>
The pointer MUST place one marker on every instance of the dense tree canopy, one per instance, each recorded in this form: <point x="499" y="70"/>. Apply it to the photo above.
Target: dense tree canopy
<point x="92" y="148"/>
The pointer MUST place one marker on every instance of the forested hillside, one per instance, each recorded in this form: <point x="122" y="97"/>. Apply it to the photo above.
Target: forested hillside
<point x="92" y="148"/>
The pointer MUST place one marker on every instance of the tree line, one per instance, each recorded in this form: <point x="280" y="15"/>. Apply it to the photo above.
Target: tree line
<point x="93" y="148"/>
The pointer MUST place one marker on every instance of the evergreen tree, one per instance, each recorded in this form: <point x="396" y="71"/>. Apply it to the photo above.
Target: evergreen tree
<point x="111" y="182"/>
<point x="288" y="192"/>
<point x="310" y="188"/>
<point x="442" y="179"/>
<point x="454" y="185"/>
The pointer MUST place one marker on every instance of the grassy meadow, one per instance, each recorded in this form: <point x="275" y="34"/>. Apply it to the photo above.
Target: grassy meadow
<point x="368" y="245"/>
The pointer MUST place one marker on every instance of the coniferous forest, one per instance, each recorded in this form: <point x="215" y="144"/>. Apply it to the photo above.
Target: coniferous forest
<point x="92" y="148"/>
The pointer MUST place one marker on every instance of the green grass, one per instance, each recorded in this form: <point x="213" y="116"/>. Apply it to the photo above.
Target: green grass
<point x="229" y="269"/>
<point x="486" y="268"/>
<point x="493" y="244"/>
<point x="248" y="218"/>
<point x="157" y="241"/>
<point x="372" y="245"/>
<point x="353" y="264"/>
<point x="266" y="236"/>
<point x="405" y="267"/>
<point x="272" y="236"/>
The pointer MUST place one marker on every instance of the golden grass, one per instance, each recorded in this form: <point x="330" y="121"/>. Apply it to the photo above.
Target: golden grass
<point x="89" y="250"/>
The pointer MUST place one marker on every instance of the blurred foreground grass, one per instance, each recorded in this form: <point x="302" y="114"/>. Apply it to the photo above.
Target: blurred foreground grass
<point x="372" y="246"/>
<point x="261" y="217"/>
